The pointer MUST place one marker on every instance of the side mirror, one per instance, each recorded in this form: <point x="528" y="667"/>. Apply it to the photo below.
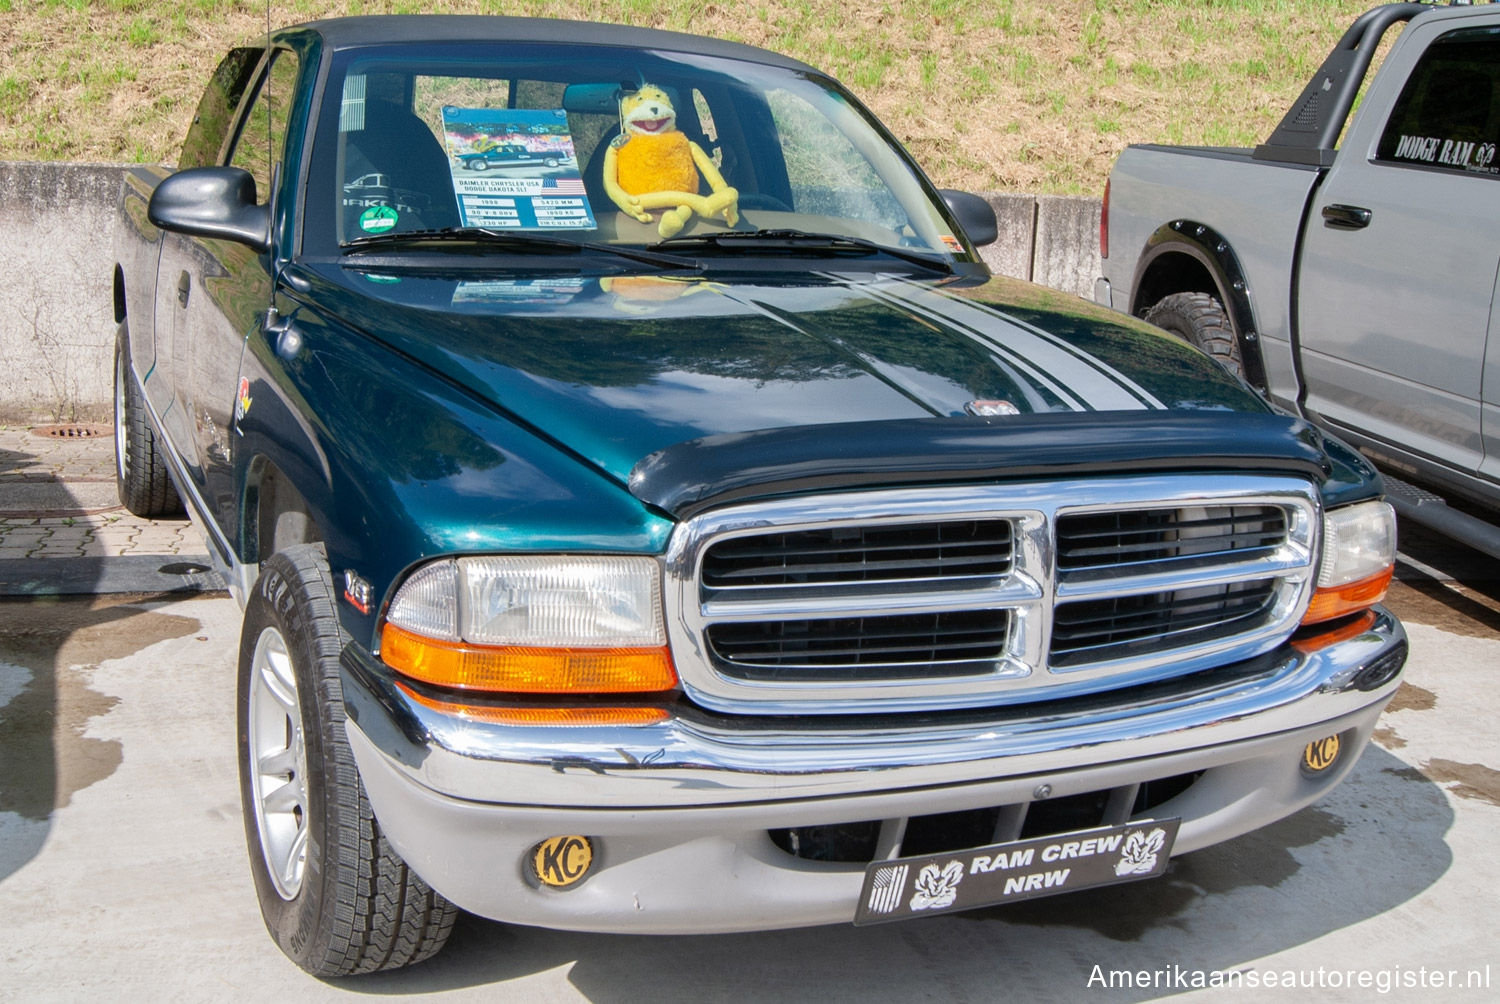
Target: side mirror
<point x="216" y="202"/>
<point x="975" y="215"/>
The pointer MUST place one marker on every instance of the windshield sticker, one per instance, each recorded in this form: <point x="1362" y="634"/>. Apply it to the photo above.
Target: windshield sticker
<point x="1470" y="156"/>
<point x="378" y="219"/>
<point x="516" y="169"/>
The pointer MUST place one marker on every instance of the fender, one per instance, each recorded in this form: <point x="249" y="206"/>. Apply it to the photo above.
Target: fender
<point x="396" y="465"/>
<point x="1213" y="268"/>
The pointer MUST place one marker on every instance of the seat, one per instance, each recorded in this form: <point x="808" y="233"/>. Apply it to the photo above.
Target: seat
<point x="395" y="160"/>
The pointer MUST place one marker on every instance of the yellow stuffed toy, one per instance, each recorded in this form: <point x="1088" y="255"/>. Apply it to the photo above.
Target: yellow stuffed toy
<point x="653" y="165"/>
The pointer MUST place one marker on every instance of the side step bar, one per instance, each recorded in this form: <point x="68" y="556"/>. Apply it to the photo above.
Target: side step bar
<point x="1422" y="506"/>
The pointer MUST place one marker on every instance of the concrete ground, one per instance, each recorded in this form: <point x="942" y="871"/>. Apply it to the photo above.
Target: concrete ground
<point x="123" y="874"/>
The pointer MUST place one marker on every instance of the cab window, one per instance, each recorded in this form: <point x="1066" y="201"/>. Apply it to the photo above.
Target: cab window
<point x="262" y="137"/>
<point x="1448" y="115"/>
<point x="210" y="128"/>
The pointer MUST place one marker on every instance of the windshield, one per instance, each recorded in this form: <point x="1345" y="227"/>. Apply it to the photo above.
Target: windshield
<point x="605" y="145"/>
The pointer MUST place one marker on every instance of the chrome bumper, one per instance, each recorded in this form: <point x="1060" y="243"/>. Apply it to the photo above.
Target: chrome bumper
<point x="680" y="809"/>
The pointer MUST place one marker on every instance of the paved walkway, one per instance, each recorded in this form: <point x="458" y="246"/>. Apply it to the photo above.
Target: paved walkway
<point x="62" y="528"/>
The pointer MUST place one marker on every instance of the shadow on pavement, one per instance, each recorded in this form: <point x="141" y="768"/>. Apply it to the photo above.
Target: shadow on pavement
<point x="48" y="647"/>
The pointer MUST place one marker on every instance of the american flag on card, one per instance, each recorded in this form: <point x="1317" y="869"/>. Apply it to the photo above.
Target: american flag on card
<point x="562" y="186"/>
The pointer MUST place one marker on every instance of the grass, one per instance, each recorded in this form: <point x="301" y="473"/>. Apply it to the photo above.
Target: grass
<point x="990" y="95"/>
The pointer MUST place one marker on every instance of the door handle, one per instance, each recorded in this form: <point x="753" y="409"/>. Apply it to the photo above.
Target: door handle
<point x="184" y="286"/>
<point x="1346" y="217"/>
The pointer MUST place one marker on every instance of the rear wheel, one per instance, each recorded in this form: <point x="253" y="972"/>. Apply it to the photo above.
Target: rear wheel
<point x="1200" y="319"/>
<point x="141" y="476"/>
<point x="335" y="896"/>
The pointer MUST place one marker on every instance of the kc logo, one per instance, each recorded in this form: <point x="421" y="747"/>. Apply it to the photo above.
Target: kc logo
<point x="1321" y="754"/>
<point x="562" y="861"/>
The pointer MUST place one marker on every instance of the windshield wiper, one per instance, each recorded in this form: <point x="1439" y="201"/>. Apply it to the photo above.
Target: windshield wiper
<point x="796" y="240"/>
<point x="513" y="240"/>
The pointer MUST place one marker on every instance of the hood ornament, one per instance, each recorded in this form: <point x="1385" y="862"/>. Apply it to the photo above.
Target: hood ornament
<point x="991" y="408"/>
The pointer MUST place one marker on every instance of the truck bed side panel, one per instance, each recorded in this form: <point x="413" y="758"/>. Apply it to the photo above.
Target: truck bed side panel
<point x="1255" y="205"/>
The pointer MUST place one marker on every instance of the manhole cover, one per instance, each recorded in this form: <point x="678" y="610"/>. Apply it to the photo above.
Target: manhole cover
<point x="73" y="431"/>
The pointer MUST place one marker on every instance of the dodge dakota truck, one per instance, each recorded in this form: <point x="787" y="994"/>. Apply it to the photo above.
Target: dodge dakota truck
<point x="1354" y="283"/>
<point x="660" y="561"/>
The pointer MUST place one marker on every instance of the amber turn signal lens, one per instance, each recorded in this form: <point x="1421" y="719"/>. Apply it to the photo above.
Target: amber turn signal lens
<point x="1336" y="601"/>
<point x="540" y="715"/>
<point x="517" y="670"/>
<point x="1323" y="637"/>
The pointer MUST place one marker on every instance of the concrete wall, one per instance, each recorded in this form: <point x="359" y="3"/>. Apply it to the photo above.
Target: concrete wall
<point x="56" y="315"/>
<point x="57" y="321"/>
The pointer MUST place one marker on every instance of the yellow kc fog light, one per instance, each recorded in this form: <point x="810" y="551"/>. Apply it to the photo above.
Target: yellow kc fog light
<point x="562" y="862"/>
<point x="1320" y="755"/>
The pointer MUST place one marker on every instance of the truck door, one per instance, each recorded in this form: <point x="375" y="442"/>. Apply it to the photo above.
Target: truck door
<point x="1400" y="254"/>
<point x="221" y="291"/>
<point x="183" y="261"/>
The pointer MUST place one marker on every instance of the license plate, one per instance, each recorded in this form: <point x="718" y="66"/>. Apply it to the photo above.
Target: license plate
<point x="1022" y="869"/>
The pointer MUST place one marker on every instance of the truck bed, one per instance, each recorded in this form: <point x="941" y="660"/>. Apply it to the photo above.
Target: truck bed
<point x="1256" y="206"/>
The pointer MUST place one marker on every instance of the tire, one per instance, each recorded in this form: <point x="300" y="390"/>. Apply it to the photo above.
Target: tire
<point x="336" y="898"/>
<point x="141" y="475"/>
<point x="1200" y="319"/>
<point x="551" y="162"/>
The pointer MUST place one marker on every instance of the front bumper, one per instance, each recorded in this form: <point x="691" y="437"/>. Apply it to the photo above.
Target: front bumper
<point x="680" y="811"/>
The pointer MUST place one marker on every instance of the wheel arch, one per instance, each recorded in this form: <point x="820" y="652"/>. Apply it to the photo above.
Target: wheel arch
<point x="276" y="515"/>
<point x="119" y="294"/>
<point x="1185" y="256"/>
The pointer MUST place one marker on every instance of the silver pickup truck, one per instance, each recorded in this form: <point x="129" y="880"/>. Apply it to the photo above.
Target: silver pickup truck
<point x="1354" y="285"/>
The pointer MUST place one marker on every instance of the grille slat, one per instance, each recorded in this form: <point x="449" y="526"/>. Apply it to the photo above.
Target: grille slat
<point x="1085" y="631"/>
<point x="922" y="551"/>
<point x="1093" y="540"/>
<point x="917" y="644"/>
<point x="979" y="564"/>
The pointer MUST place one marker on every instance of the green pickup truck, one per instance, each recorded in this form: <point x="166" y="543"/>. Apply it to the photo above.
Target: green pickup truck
<point x="787" y="569"/>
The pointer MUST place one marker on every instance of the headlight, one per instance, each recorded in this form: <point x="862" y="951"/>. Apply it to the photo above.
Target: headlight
<point x="1359" y="555"/>
<point x="532" y="625"/>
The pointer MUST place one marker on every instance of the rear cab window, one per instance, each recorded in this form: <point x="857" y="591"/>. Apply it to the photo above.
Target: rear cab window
<point x="1448" y="114"/>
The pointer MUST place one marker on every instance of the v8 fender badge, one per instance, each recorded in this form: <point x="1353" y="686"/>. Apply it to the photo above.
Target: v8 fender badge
<point x="562" y="862"/>
<point x="357" y="591"/>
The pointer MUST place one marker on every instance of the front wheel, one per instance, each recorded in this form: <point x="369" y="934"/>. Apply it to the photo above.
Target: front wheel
<point x="334" y="894"/>
<point x="1200" y="320"/>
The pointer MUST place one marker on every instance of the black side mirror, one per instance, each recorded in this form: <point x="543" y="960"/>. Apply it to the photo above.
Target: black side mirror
<point x="975" y="215"/>
<point x="216" y="202"/>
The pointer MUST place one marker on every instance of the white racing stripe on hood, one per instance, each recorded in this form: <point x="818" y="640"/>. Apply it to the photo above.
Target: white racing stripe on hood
<point x="1083" y="381"/>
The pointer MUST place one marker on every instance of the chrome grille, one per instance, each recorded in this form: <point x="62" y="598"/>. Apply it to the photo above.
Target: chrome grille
<point x="967" y="596"/>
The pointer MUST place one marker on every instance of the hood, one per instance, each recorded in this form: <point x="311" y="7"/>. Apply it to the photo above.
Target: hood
<point x="617" y="368"/>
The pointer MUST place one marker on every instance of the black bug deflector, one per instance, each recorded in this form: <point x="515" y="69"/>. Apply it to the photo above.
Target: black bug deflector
<point x="701" y="473"/>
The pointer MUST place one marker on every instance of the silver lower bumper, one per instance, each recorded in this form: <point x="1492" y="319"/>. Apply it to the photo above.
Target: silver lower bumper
<point x="679" y="811"/>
